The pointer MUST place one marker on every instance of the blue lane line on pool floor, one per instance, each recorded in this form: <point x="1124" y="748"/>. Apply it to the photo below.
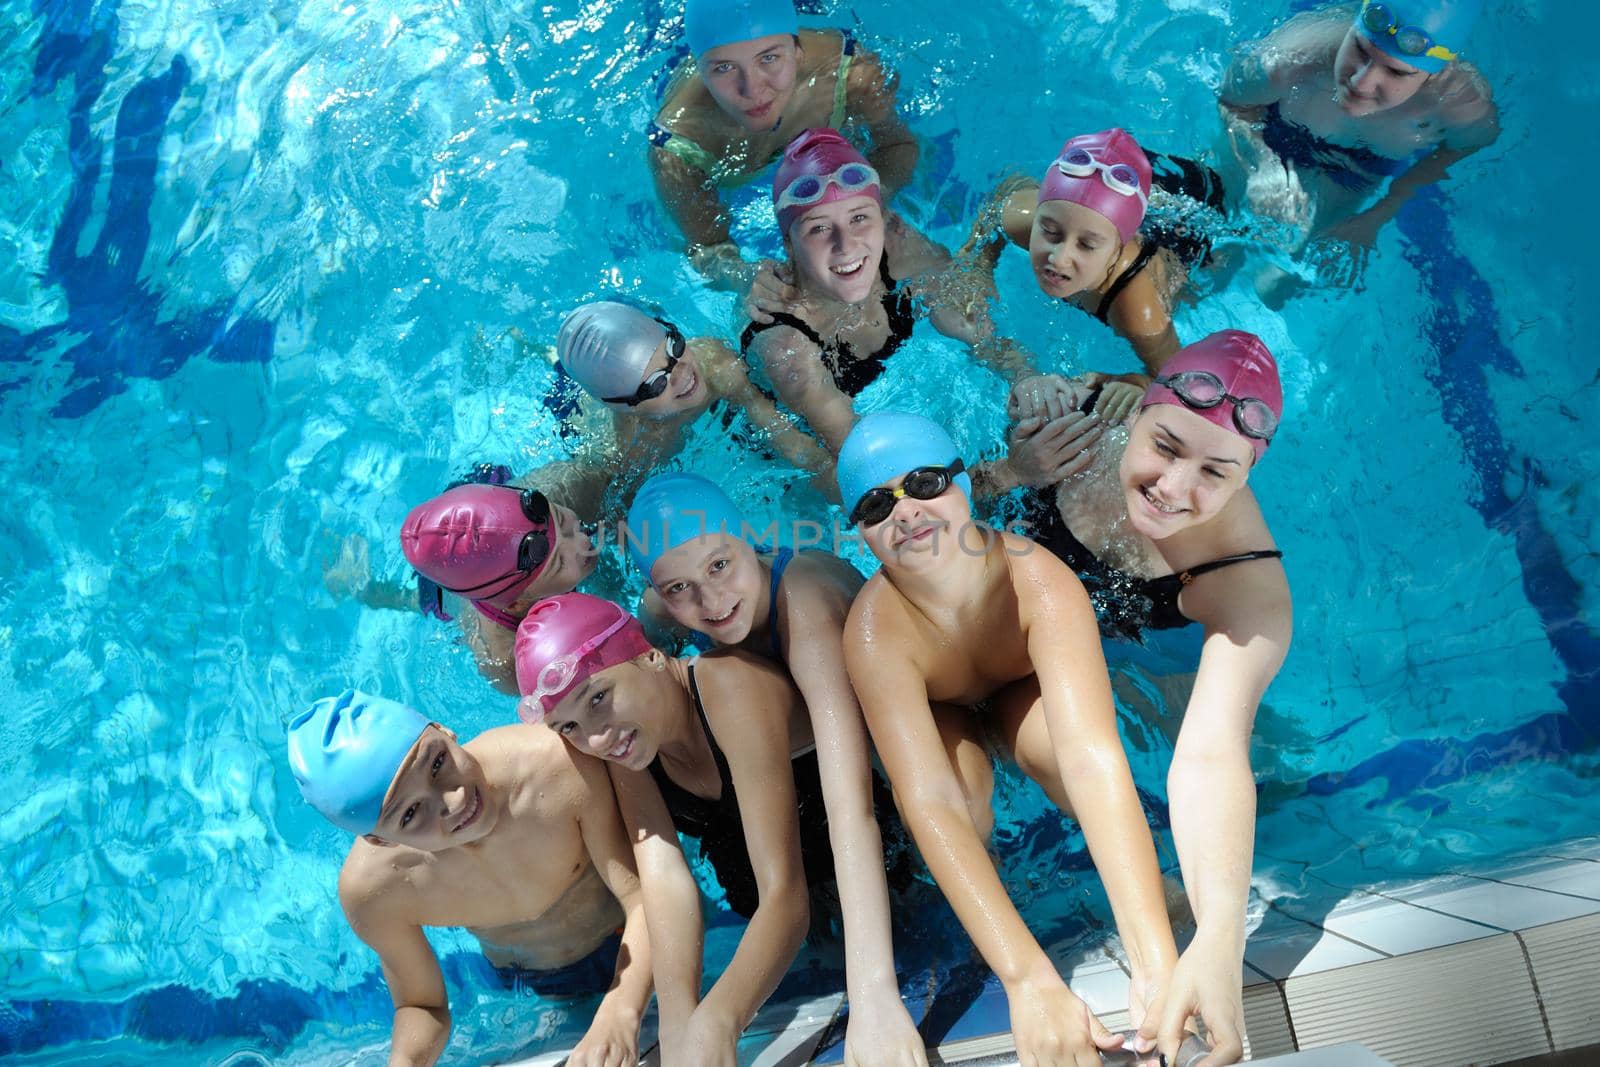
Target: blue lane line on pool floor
<point x="124" y="328"/>
<point x="1463" y="332"/>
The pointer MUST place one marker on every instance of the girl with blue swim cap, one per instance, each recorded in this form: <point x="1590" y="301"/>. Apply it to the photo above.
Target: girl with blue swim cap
<point x="1332" y="103"/>
<point x="656" y="384"/>
<point x="788" y="607"/>
<point x="511" y="835"/>
<point x="969" y="635"/>
<point x="752" y="81"/>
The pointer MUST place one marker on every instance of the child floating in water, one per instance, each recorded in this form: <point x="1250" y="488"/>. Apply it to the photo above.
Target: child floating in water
<point x="655" y="384"/>
<point x="1081" y="227"/>
<point x="968" y="638"/>
<point x="756" y="80"/>
<point x="858" y="274"/>
<point x="511" y="835"/>
<point x="500" y="548"/>
<point x="1334" y="102"/>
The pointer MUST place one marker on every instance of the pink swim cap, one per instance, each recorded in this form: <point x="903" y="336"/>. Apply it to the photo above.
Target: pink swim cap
<point x="1247" y="371"/>
<point x="565" y="639"/>
<point x="820" y="154"/>
<point x="467" y="539"/>
<point x="1104" y="150"/>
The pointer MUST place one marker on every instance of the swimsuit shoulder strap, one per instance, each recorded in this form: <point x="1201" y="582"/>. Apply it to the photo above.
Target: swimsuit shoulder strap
<point x="496" y="615"/>
<point x="897" y="306"/>
<point x="676" y="144"/>
<point x="780" y="318"/>
<point x="847" y="55"/>
<point x="711" y="738"/>
<point x="1147" y="251"/>
<point x="780" y="563"/>
<point x="1186" y="576"/>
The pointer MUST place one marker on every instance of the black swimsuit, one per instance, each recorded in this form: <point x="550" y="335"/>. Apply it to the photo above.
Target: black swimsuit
<point x="1191" y="181"/>
<point x="720" y="829"/>
<point x="1125" y="604"/>
<point x="851" y="373"/>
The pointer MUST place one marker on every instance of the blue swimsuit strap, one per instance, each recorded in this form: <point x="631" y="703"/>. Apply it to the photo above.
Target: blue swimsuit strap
<point x="780" y="563"/>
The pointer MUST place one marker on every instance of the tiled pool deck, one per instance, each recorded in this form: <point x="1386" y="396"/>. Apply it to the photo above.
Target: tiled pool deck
<point x="1476" y="968"/>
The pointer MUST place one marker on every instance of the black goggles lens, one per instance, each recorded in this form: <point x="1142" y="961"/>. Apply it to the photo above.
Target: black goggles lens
<point x="924" y="483"/>
<point x="535" y="507"/>
<point x="1203" y="390"/>
<point x="657" y="383"/>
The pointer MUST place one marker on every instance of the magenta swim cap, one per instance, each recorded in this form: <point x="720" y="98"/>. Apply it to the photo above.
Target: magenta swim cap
<point x="565" y="639"/>
<point x="1244" y="366"/>
<point x="820" y="154"/>
<point x="466" y="540"/>
<point x="1092" y="157"/>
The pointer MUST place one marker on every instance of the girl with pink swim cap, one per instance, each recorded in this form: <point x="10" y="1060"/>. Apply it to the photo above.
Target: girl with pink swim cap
<point x="754" y="79"/>
<point x="1164" y="532"/>
<point x="858" y="271"/>
<point x="718" y="747"/>
<point x="500" y="548"/>
<point x="1081" y="227"/>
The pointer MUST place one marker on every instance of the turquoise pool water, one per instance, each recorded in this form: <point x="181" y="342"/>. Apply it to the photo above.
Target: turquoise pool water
<point x="259" y="265"/>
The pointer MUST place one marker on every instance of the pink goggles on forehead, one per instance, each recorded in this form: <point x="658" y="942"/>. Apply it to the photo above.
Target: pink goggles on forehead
<point x="558" y="677"/>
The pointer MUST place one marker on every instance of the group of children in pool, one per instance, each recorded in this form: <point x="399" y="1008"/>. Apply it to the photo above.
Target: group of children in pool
<point x="559" y="847"/>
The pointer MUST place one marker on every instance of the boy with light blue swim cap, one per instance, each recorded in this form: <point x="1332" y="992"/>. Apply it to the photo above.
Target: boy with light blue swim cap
<point x="1349" y="96"/>
<point x="656" y="384"/>
<point x="344" y="752"/>
<point x="887" y="444"/>
<point x="753" y="80"/>
<point x="961" y="644"/>
<point x="511" y="835"/>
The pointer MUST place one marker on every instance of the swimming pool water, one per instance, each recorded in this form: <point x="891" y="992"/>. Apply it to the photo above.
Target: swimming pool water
<point x="260" y="264"/>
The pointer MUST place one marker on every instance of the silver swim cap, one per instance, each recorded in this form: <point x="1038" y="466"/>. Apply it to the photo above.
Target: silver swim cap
<point x="606" y="346"/>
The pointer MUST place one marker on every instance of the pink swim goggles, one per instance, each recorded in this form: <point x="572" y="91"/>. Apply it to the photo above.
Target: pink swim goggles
<point x="1120" y="178"/>
<point x="809" y="189"/>
<point x="557" y="676"/>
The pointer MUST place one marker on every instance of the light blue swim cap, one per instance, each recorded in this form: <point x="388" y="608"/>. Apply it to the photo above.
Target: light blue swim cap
<point x="1444" y="23"/>
<point x="711" y="24"/>
<point x="887" y="444"/>
<point x="345" y="751"/>
<point x="672" y="509"/>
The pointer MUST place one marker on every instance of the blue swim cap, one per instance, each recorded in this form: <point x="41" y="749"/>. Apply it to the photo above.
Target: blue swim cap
<point x="1435" y="30"/>
<point x="345" y="751"/>
<point x="672" y="509"/>
<point x="887" y="444"/>
<point x="713" y="23"/>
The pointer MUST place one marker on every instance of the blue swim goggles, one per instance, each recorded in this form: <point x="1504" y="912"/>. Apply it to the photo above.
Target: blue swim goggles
<point x="808" y="189"/>
<point x="1379" y="20"/>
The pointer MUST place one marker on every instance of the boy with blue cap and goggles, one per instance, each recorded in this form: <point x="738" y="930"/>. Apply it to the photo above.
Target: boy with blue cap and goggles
<point x="513" y="835"/>
<point x="1345" y="97"/>
<point x="968" y="635"/>
<point x="752" y="81"/>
